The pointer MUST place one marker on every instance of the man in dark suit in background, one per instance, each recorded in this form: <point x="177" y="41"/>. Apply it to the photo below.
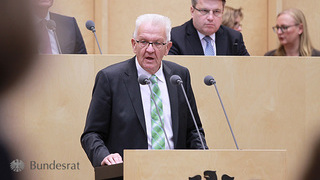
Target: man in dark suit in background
<point x="121" y="114"/>
<point x="204" y="34"/>
<point x="68" y="33"/>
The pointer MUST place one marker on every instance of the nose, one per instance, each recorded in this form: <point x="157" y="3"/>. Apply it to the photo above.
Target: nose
<point x="150" y="48"/>
<point x="210" y="15"/>
<point x="279" y="31"/>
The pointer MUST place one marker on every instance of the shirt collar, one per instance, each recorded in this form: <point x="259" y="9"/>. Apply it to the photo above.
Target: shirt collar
<point x="46" y="18"/>
<point x="141" y="71"/>
<point x="201" y="36"/>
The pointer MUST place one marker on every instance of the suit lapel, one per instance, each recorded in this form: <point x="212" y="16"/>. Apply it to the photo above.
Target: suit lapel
<point x="193" y="39"/>
<point x="130" y="80"/>
<point x="173" y="96"/>
<point x="59" y="32"/>
<point x="221" y="44"/>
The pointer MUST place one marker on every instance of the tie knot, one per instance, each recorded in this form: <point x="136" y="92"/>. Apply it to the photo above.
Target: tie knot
<point x="153" y="79"/>
<point x="207" y="39"/>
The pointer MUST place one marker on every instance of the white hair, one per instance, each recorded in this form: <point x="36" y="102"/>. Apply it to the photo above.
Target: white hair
<point x="155" y="19"/>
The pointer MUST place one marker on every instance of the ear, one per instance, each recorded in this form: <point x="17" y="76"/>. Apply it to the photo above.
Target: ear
<point x="191" y="11"/>
<point x="300" y="29"/>
<point x="133" y="44"/>
<point x="169" y="45"/>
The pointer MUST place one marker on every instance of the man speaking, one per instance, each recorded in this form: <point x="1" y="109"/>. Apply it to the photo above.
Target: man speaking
<point x="122" y="114"/>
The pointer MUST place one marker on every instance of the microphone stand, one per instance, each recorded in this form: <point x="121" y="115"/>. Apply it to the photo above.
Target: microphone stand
<point x="194" y="120"/>
<point x="234" y="138"/>
<point x="94" y="32"/>
<point x="58" y="44"/>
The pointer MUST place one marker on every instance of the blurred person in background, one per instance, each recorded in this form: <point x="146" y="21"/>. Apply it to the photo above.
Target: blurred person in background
<point x="232" y="18"/>
<point x="67" y="30"/>
<point x="17" y="51"/>
<point x="313" y="168"/>
<point x="293" y="35"/>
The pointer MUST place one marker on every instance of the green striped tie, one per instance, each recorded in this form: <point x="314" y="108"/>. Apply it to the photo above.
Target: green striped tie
<point x="157" y="130"/>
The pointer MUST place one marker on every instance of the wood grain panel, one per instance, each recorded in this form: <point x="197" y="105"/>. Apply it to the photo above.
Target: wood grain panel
<point x="272" y="103"/>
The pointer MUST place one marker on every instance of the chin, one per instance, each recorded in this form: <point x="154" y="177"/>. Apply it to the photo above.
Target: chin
<point x="283" y="43"/>
<point x="209" y="32"/>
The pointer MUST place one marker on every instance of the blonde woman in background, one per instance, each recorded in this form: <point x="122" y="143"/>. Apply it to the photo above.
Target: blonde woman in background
<point x="232" y="18"/>
<point x="293" y="35"/>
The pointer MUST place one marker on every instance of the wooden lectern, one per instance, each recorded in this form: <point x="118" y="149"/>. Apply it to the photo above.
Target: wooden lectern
<point x="185" y="164"/>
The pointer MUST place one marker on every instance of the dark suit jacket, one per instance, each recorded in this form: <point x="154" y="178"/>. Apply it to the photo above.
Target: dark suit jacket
<point x="115" y="119"/>
<point x="69" y="35"/>
<point x="186" y="41"/>
<point x="314" y="53"/>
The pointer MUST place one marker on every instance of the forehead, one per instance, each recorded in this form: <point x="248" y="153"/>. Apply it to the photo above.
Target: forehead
<point x="210" y="4"/>
<point x="151" y="31"/>
<point x="285" y="19"/>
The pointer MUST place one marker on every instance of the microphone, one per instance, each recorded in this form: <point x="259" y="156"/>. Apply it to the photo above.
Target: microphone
<point x="91" y="27"/>
<point x="235" y="47"/>
<point x="52" y="26"/>
<point x="176" y="80"/>
<point x="209" y="80"/>
<point x="143" y="80"/>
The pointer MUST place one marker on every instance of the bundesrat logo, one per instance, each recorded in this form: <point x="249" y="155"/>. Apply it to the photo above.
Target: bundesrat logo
<point x="17" y="165"/>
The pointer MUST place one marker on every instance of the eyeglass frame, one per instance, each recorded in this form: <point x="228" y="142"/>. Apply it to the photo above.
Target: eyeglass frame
<point x="207" y="11"/>
<point x="157" y="45"/>
<point x="282" y="28"/>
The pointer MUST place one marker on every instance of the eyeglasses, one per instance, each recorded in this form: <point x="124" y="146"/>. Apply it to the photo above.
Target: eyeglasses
<point x="144" y="43"/>
<point x="216" y="12"/>
<point x="282" y="28"/>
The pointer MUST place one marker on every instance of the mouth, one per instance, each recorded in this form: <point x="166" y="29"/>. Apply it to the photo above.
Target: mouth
<point x="210" y="25"/>
<point x="149" y="58"/>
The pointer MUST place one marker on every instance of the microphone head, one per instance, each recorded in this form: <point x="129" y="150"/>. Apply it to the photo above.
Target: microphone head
<point x="51" y="25"/>
<point x="176" y="80"/>
<point x="143" y="79"/>
<point x="90" y="25"/>
<point x="209" y="80"/>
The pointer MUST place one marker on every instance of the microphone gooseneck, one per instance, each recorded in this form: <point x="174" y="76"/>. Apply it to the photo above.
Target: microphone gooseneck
<point x="209" y="80"/>
<point x="51" y="24"/>
<point x="176" y="80"/>
<point x="91" y="27"/>
<point x="143" y="80"/>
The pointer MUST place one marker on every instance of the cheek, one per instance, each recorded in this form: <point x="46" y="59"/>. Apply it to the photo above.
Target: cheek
<point x="218" y="20"/>
<point x="291" y="35"/>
